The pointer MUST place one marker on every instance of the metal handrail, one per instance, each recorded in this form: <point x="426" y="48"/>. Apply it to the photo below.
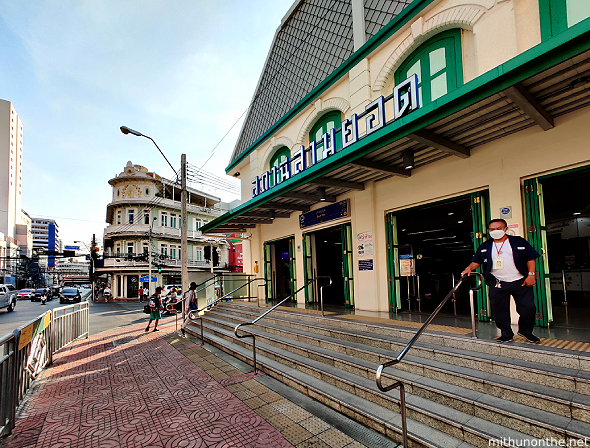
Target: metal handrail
<point x="322" y="294"/>
<point x="191" y="314"/>
<point x="398" y="383"/>
<point x="250" y="335"/>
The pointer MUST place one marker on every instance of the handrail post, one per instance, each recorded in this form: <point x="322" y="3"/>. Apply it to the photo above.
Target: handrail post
<point x="409" y="345"/>
<point x="322" y="292"/>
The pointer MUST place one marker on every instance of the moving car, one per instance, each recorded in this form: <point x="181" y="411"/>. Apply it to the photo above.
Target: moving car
<point x="25" y="294"/>
<point x="37" y="294"/>
<point x="54" y="291"/>
<point x="8" y="297"/>
<point x="71" y="295"/>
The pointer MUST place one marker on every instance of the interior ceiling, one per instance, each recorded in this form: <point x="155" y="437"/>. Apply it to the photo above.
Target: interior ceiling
<point x="552" y="93"/>
<point x="565" y="194"/>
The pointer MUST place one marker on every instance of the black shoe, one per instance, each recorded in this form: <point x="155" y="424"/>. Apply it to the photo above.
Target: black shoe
<point x="530" y="338"/>
<point x="502" y="339"/>
<point x="155" y="329"/>
<point x="147" y="328"/>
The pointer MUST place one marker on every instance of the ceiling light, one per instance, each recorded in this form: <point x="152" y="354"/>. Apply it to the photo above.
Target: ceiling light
<point x="403" y="230"/>
<point x="272" y="214"/>
<point x="322" y="193"/>
<point x="577" y="213"/>
<point x="459" y="222"/>
<point x="451" y="213"/>
<point x="425" y="231"/>
<point x="408" y="159"/>
<point x="440" y="238"/>
<point x="325" y="241"/>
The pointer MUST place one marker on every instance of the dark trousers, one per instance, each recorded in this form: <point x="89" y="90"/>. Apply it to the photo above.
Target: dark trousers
<point x="525" y="306"/>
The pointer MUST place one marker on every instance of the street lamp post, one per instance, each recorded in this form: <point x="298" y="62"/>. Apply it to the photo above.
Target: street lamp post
<point x="183" y="216"/>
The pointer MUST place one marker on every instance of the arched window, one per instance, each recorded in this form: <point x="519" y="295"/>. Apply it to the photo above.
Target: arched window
<point x="437" y="62"/>
<point x="325" y="124"/>
<point x="559" y="15"/>
<point x="281" y="155"/>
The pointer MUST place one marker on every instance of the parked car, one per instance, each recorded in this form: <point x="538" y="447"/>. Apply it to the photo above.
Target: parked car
<point x="8" y="297"/>
<point x="71" y="295"/>
<point x="25" y="294"/>
<point x="37" y="294"/>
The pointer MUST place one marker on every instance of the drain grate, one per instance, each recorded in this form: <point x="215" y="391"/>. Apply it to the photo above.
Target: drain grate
<point x="124" y="340"/>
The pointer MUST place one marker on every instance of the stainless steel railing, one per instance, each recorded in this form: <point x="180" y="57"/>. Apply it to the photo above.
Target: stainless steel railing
<point x="69" y="323"/>
<point x="195" y="313"/>
<point x="251" y="335"/>
<point x="398" y="383"/>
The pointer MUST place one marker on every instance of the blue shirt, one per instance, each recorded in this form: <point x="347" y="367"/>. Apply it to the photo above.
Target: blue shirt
<point x="522" y="252"/>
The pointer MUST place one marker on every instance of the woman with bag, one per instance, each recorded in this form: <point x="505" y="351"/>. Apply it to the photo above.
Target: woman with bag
<point x="155" y="306"/>
<point x="191" y="305"/>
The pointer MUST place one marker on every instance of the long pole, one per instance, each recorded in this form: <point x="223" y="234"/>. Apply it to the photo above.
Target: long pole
<point x="92" y="250"/>
<point x="150" y="261"/>
<point x="183" y="229"/>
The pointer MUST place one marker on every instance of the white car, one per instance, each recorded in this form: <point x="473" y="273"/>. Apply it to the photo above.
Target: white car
<point x="167" y="288"/>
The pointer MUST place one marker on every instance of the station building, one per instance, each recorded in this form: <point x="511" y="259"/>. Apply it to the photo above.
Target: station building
<point x="383" y="135"/>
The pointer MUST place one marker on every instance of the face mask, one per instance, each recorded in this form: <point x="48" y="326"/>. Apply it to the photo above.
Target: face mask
<point x="496" y="234"/>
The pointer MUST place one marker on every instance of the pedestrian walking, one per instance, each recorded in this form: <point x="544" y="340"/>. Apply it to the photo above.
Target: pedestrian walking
<point x="509" y="270"/>
<point x="155" y="306"/>
<point x="140" y="293"/>
<point x="190" y="305"/>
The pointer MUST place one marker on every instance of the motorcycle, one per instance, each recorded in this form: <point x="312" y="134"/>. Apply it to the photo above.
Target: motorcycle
<point x="172" y="303"/>
<point x="107" y="295"/>
<point x="43" y="299"/>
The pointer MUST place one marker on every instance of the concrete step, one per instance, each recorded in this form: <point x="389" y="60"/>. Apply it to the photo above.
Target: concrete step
<point x="364" y="411"/>
<point x="534" y="422"/>
<point x="511" y="360"/>
<point x="462" y="426"/>
<point x="547" y="398"/>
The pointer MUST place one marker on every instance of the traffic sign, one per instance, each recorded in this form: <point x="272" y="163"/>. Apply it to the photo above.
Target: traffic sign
<point x="145" y="279"/>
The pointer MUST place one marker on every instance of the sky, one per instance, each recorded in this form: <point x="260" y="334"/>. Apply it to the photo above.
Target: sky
<point x="179" y="71"/>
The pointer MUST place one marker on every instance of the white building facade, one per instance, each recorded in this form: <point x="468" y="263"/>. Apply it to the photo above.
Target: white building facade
<point x="144" y="220"/>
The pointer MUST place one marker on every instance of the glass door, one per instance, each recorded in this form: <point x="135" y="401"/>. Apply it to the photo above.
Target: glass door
<point x="480" y="220"/>
<point x="392" y="248"/>
<point x="308" y="268"/>
<point x="347" y="265"/>
<point x="268" y="271"/>
<point x="537" y="237"/>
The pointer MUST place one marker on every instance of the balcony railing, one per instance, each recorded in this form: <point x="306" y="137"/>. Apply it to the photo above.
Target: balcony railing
<point x="157" y="231"/>
<point x="134" y="260"/>
<point x="169" y="203"/>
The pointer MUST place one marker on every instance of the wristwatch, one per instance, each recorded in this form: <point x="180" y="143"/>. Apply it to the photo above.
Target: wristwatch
<point x="531" y="273"/>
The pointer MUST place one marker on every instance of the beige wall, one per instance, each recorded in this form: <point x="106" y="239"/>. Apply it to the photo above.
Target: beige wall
<point x="500" y="166"/>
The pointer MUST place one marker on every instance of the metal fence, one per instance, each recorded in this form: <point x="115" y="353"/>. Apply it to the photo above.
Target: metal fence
<point x="26" y="351"/>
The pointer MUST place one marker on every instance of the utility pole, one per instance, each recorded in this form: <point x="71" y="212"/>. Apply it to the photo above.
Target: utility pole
<point x="150" y="258"/>
<point x="183" y="229"/>
<point x="92" y="255"/>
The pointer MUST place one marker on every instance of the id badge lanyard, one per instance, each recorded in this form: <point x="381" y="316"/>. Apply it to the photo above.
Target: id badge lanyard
<point x="499" y="262"/>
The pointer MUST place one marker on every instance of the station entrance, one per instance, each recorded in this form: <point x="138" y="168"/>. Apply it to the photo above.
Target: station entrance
<point x="328" y="252"/>
<point x="279" y="269"/>
<point x="428" y="247"/>
<point x="558" y="225"/>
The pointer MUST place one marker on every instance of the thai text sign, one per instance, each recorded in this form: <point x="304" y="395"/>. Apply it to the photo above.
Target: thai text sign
<point x="405" y="99"/>
<point x="324" y="214"/>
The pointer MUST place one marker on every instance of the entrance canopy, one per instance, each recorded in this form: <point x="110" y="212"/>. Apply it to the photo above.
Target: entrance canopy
<point x="549" y="80"/>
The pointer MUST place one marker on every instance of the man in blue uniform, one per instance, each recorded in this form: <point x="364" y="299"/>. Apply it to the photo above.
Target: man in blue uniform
<point x="509" y="270"/>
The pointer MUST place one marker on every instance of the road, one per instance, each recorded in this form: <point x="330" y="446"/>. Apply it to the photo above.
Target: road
<point x="103" y="316"/>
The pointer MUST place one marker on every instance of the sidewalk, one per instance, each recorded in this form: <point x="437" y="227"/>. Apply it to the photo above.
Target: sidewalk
<point x="128" y="388"/>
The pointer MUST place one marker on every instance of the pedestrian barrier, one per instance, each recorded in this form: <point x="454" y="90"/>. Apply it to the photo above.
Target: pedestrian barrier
<point x="69" y="323"/>
<point x="30" y="348"/>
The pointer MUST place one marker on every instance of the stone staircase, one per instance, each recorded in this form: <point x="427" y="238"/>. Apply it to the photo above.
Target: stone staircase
<point x="459" y="392"/>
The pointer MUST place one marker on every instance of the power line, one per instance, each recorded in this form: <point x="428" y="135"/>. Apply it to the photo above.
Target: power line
<point x="264" y="87"/>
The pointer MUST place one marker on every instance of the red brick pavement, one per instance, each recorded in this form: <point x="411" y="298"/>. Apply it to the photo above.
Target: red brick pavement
<point x="128" y="388"/>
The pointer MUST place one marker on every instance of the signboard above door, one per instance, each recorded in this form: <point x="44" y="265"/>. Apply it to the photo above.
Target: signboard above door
<point x="328" y="213"/>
